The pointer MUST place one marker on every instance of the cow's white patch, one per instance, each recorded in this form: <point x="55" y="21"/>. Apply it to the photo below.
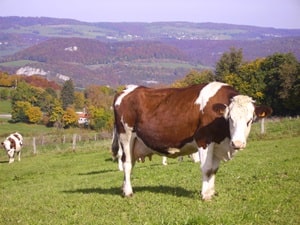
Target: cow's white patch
<point x="129" y="88"/>
<point x="207" y="92"/>
<point x="127" y="144"/>
<point x="173" y="150"/>
<point x="224" y="151"/>
<point x="208" y="165"/>
<point x="241" y="115"/>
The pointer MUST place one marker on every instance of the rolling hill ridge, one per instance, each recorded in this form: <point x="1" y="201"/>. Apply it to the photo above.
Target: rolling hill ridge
<point x="122" y="53"/>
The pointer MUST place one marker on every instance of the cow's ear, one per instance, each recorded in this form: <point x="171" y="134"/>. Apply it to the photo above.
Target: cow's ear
<point x="263" y="111"/>
<point x="221" y="109"/>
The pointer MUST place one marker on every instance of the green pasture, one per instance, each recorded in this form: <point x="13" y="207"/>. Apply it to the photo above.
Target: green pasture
<point x="5" y="106"/>
<point x="18" y="63"/>
<point x="60" y="186"/>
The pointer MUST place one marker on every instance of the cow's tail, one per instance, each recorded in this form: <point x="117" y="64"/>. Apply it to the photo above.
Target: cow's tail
<point x="115" y="143"/>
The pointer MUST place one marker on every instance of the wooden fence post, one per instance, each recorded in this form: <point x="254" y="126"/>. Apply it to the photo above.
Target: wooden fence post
<point x="262" y="126"/>
<point x="34" y="145"/>
<point x="74" y="142"/>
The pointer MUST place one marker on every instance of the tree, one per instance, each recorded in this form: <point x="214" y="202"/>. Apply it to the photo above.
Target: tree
<point x="100" y="118"/>
<point x="249" y="81"/>
<point x="79" y="100"/>
<point x="23" y="92"/>
<point x="69" y="117"/>
<point x="34" y="114"/>
<point x="229" y="63"/>
<point x="282" y="90"/>
<point x="18" y="113"/>
<point x="195" y="77"/>
<point x="99" y="96"/>
<point x="67" y="94"/>
<point x="56" y="114"/>
<point x="4" y="94"/>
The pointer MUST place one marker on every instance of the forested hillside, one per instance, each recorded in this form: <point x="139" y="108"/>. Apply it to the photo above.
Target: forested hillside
<point x="121" y="53"/>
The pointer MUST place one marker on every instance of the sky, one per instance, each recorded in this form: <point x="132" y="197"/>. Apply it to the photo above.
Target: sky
<point x="263" y="13"/>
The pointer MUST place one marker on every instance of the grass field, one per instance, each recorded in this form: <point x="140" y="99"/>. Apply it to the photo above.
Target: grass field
<point x="5" y="106"/>
<point x="259" y="186"/>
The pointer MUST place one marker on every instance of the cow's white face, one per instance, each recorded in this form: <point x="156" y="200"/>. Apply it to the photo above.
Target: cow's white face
<point x="7" y="146"/>
<point x="240" y="113"/>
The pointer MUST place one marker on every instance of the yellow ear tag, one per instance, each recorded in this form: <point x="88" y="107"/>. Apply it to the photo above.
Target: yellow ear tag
<point x="262" y="114"/>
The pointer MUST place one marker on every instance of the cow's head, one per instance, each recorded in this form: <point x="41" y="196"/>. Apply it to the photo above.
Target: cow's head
<point x="241" y="112"/>
<point x="9" y="145"/>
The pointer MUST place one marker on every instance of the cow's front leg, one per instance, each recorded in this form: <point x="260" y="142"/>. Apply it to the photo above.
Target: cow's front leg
<point x="209" y="167"/>
<point x="127" y="188"/>
<point x="11" y="156"/>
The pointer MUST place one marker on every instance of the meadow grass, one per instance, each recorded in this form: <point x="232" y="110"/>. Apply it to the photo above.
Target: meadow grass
<point x="5" y="106"/>
<point x="259" y="186"/>
<point x="17" y="63"/>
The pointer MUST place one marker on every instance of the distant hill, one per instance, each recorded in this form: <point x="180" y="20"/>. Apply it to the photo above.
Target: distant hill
<point x="121" y="53"/>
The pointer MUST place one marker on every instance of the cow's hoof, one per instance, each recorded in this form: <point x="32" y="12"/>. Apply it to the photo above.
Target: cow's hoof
<point x="127" y="195"/>
<point x="208" y="197"/>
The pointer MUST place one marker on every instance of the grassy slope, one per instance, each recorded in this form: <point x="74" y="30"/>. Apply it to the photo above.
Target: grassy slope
<point x="5" y="106"/>
<point x="260" y="186"/>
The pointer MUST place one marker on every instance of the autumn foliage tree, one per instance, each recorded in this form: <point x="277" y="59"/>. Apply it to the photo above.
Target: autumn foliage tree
<point x="34" y="114"/>
<point x="69" y="117"/>
<point x="19" y="110"/>
<point x="56" y="114"/>
<point x="195" y="77"/>
<point x="274" y="80"/>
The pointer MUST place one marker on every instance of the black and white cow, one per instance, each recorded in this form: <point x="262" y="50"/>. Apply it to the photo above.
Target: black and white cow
<point x="13" y="144"/>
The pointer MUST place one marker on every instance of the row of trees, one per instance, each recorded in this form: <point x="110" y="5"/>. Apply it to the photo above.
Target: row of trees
<point x="274" y="80"/>
<point x="58" y="108"/>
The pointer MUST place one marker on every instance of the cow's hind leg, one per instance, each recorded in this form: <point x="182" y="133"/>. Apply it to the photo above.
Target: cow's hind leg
<point x="209" y="167"/>
<point x="120" y="162"/>
<point x="126" y="144"/>
<point x="19" y="155"/>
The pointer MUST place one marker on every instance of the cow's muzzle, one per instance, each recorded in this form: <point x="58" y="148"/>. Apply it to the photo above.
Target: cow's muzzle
<point x="237" y="145"/>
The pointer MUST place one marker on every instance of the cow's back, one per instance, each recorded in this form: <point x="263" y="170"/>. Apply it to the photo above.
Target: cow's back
<point x="169" y="117"/>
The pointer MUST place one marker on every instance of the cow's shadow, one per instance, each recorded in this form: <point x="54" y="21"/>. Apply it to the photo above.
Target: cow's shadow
<point x="174" y="191"/>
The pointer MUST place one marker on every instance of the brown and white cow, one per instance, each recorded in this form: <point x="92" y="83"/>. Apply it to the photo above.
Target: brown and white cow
<point x="13" y="144"/>
<point x="213" y="119"/>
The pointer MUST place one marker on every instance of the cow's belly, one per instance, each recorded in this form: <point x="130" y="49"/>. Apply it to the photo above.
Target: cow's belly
<point x="224" y="151"/>
<point x="141" y="151"/>
<point x="187" y="149"/>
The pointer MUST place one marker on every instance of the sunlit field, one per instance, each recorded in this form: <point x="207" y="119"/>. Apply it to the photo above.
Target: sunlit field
<point x="61" y="186"/>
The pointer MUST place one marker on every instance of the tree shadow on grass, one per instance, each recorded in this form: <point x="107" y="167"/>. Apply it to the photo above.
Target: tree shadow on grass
<point x="174" y="191"/>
